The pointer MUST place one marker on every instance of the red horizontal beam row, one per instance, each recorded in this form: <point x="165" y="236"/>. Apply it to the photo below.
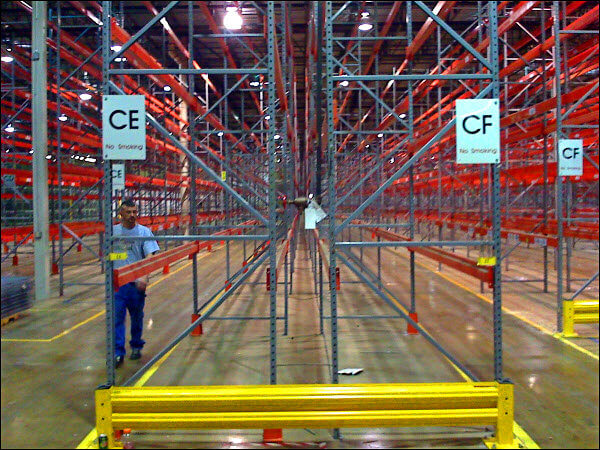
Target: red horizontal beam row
<point x="132" y="272"/>
<point x="156" y="223"/>
<point x="460" y="263"/>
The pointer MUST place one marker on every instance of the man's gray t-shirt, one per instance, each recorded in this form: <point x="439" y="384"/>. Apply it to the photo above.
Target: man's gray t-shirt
<point x="136" y="250"/>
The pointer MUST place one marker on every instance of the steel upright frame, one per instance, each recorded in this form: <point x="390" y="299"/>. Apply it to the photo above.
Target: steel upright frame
<point x="339" y="222"/>
<point x="273" y="233"/>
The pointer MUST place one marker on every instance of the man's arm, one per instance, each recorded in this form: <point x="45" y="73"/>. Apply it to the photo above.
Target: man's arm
<point x="142" y="282"/>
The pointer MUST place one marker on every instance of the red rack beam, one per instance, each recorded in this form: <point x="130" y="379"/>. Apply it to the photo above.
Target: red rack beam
<point x="460" y="263"/>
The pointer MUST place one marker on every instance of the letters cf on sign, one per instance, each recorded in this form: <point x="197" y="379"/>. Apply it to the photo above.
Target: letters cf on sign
<point x="124" y="127"/>
<point x="570" y="157"/>
<point x="477" y="131"/>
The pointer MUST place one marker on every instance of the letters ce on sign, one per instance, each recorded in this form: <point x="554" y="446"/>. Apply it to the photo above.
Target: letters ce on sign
<point x="124" y="127"/>
<point x="570" y="157"/>
<point x="118" y="177"/>
<point x="477" y="131"/>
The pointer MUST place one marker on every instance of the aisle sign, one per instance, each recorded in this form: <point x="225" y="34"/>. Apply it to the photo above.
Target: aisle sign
<point x="123" y="127"/>
<point x="477" y="131"/>
<point x="570" y="157"/>
<point x="117" y="174"/>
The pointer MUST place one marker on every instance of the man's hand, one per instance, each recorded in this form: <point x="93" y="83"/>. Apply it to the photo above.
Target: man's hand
<point x="141" y="284"/>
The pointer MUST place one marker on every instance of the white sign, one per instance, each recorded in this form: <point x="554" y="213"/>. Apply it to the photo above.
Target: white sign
<point x="570" y="157"/>
<point x="477" y="131"/>
<point x="124" y="127"/>
<point x="313" y="214"/>
<point x="118" y="176"/>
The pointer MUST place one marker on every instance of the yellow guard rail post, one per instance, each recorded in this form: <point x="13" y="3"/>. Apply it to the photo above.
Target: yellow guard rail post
<point x="578" y="311"/>
<point x="308" y="406"/>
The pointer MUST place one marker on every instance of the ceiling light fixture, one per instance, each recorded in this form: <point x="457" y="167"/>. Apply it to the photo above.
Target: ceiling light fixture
<point x="167" y="88"/>
<point x="116" y="48"/>
<point x="62" y="118"/>
<point x="344" y="83"/>
<point x="85" y="96"/>
<point x="365" y="22"/>
<point x="7" y="59"/>
<point x="232" y="19"/>
<point x="9" y="128"/>
<point x="380" y="135"/>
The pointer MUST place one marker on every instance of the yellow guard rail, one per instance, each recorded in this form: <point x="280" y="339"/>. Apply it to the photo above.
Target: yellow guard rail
<point x="578" y="311"/>
<point x="307" y="406"/>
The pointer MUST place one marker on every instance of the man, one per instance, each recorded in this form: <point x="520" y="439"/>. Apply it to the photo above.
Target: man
<point x="131" y="296"/>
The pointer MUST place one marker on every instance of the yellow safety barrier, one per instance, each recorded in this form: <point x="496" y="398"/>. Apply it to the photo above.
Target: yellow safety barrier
<point x="578" y="311"/>
<point x="307" y="406"/>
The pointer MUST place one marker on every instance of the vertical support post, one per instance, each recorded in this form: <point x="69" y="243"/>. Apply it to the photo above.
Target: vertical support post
<point x="61" y="275"/>
<point x="39" y="84"/>
<point x="272" y="197"/>
<point x="285" y="292"/>
<point x="411" y="200"/>
<point x="559" y="187"/>
<point x="192" y="167"/>
<point x="331" y="178"/>
<point x="496" y="238"/>
<point x="107" y="209"/>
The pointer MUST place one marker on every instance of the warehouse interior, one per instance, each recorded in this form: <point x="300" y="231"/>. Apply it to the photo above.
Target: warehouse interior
<point x="378" y="223"/>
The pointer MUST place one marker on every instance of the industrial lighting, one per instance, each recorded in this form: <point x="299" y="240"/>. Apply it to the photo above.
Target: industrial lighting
<point x="62" y="118"/>
<point x="276" y="137"/>
<point x="344" y="83"/>
<point x="7" y="59"/>
<point x="267" y="117"/>
<point x="48" y="156"/>
<point x="402" y="116"/>
<point x="9" y="128"/>
<point x="85" y="96"/>
<point x="120" y="59"/>
<point x="365" y="22"/>
<point x="116" y="48"/>
<point x="89" y="159"/>
<point x="220" y="133"/>
<point x="392" y="160"/>
<point x="167" y="88"/>
<point x="254" y="83"/>
<point x="232" y="19"/>
<point x="380" y="135"/>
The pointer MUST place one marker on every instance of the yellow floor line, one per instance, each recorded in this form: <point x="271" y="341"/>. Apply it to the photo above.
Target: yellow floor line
<point x="101" y="313"/>
<point x="512" y="313"/>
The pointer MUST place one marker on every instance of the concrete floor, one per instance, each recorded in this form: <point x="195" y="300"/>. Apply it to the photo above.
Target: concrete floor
<point x="53" y="358"/>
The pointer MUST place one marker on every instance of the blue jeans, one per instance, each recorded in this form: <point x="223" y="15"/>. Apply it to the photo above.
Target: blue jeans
<point x="130" y="298"/>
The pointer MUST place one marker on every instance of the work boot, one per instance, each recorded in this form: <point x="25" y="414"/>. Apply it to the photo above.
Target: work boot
<point x="118" y="362"/>
<point x="136" y="353"/>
